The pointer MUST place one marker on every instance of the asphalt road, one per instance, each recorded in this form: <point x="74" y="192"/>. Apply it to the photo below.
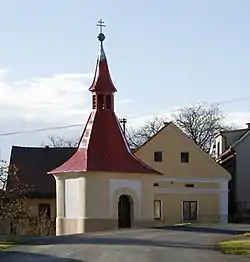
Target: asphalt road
<point x="143" y="245"/>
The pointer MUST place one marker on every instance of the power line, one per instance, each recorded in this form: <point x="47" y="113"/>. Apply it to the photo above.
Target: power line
<point x="80" y="125"/>
<point x="234" y="100"/>
<point x="38" y="130"/>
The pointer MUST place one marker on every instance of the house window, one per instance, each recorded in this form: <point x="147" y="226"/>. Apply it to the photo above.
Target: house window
<point x="189" y="185"/>
<point x="100" y="101"/>
<point x="156" y="184"/>
<point x="108" y="102"/>
<point x="158" y="156"/>
<point x="44" y="210"/>
<point x="184" y="157"/>
<point x="189" y="211"/>
<point x="157" y="209"/>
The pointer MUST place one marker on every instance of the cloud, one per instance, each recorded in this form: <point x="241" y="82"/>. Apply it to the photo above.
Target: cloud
<point x="47" y="98"/>
<point x="62" y="98"/>
<point x="3" y="73"/>
<point x="43" y="102"/>
<point x="239" y="119"/>
<point x="57" y="100"/>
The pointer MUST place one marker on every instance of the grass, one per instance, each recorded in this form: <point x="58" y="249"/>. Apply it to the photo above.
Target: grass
<point x="182" y="224"/>
<point x="237" y="246"/>
<point x="245" y="235"/>
<point x="5" y="244"/>
<point x="10" y="241"/>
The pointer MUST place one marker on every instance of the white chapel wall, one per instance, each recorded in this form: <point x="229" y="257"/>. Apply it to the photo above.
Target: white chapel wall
<point x="72" y="198"/>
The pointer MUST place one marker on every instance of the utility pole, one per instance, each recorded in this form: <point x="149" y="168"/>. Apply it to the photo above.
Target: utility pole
<point x="123" y="121"/>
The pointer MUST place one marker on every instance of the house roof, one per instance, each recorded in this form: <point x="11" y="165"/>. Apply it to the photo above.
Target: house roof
<point x="240" y="140"/>
<point x="244" y="133"/>
<point x="240" y="132"/>
<point x="33" y="163"/>
<point x="103" y="146"/>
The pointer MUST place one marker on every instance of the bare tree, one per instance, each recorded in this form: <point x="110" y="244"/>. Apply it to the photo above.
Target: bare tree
<point x="136" y="137"/>
<point x="3" y="176"/>
<point x="13" y="197"/>
<point x="15" y="208"/>
<point x="57" y="141"/>
<point x="200" y="122"/>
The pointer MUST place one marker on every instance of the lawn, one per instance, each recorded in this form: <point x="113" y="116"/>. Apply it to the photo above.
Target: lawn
<point x="237" y="246"/>
<point x="4" y="245"/>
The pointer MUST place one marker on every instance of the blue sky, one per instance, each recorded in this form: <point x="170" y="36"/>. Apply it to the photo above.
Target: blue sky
<point x="161" y="55"/>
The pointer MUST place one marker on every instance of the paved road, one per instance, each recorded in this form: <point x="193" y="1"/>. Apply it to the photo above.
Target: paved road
<point x="143" y="245"/>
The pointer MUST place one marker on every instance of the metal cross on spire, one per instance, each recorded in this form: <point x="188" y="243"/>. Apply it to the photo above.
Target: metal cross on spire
<point x="100" y="24"/>
<point x="101" y="36"/>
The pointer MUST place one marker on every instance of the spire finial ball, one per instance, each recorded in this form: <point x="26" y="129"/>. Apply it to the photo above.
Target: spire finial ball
<point x="101" y="37"/>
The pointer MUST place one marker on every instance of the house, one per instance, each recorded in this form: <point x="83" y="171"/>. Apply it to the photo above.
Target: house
<point x="193" y="186"/>
<point x="104" y="186"/>
<point x="32" y="165"/>
<point x="232" y="149"/>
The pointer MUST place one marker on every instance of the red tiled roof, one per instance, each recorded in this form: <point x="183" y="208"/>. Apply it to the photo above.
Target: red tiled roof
<point x="103" y="146"/>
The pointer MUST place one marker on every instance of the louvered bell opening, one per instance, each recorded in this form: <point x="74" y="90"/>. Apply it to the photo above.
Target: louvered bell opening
<point x="94" y="101"/>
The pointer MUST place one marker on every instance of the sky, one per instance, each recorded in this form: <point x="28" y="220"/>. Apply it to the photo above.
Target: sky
<point x="162" y="55"/>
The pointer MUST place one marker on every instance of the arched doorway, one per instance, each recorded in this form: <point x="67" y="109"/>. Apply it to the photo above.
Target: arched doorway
<point x="125" y="211"/>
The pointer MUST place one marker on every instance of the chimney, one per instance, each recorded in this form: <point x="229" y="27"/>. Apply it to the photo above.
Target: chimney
<point x="248" y="125"/>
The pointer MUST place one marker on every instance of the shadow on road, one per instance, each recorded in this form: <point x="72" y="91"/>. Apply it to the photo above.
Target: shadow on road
<point x="108" y="240"/>
<point x="81" y="239"/>
<point x="14" y="256"/>
<point x="204" y="230"/>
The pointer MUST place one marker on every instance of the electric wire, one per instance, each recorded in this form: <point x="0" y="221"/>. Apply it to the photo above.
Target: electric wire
<point x="80" y="125"/>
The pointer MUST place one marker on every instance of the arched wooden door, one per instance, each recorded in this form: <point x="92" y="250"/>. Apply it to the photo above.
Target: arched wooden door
<point x="124" y="212"/>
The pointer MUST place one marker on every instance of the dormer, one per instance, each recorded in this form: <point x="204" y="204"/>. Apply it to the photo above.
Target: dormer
<point x="220" y="145"/>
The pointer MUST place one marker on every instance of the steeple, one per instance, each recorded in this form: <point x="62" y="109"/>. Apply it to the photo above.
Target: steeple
<point x="101" y="37"/>
<point x="102" y="146"/>
<point x="102" y="87"/>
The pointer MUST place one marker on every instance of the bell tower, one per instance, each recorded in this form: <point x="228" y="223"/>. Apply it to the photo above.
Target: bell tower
<point x="102" y="97"/>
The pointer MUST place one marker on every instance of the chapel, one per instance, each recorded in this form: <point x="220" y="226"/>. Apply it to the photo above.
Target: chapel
<point x="103" y="185"/>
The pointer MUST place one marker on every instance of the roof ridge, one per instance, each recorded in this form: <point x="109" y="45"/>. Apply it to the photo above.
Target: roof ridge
<point x="235" y="130"/>
<point x="233" y="145"/>
<point x="44" y="147"/>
